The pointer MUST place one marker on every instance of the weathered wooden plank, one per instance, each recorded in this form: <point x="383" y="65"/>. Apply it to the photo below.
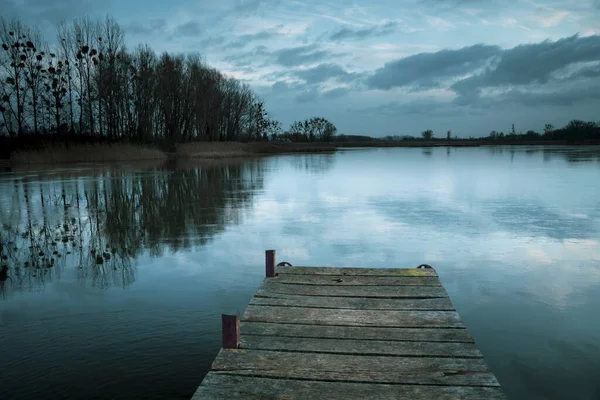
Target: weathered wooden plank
<point x="217" y="386"/>
<point x="356" y="332"/>
<point x="358" y="303"/>
<point x="356" y="291"/>
<point x="342" y="367"/>
<point x="352" y="280"/>
<point x="365" y="347"/>
<point x="357" y="271"/>
<point x="324" y="316"/>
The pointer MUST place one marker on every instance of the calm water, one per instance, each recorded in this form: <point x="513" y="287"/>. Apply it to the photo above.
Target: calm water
<point x="114" y="279"/>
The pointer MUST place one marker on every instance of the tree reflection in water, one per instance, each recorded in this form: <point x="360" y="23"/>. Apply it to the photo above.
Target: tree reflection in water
<point x="93" y="227"/>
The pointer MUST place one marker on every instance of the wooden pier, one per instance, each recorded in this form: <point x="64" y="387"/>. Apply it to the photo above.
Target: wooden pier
<point x="348" y="333"/>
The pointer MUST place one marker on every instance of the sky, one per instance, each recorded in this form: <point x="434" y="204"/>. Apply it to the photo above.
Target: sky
<point x="379" y="67"/>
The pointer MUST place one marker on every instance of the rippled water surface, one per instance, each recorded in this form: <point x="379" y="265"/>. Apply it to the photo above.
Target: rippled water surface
<point x="113" y="279"/>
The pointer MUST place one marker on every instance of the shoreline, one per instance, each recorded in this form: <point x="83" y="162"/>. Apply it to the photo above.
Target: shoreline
<point x="124" y="152"/>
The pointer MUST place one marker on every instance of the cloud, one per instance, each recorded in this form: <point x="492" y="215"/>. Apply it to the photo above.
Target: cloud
<point x="363" y="33"/>
<point x="50" y="11"/>
<point x="324" y="72"/>
<point x="294" y="56"/>
<point x="336" y="93"/>
<point x="249" y="57"/>
<point x="280" y="87"/>
<point x="308" y="95"/>
<point x="425" y="106"/>
<point x="243" y="40"/>
<point x="191" y="28"/>
<point x="247" y="7"/>
<point x="530" y="63"/>
<point x="429" y="70"/>
<point x="537" y="63"/>
<point x="152" y="26"/>
<point x="557" y="97"/>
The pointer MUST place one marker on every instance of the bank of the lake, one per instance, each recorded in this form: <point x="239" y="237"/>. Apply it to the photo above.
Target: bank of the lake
<point x="119" y="152"/>
<point x="107" y="152"/>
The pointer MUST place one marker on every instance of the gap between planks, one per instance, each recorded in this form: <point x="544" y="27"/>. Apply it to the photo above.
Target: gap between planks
<point x="356" y="333"/>
<point x="386" y="348"/>
<point x="362" y="368"/>
<point x="325" y="380"/>
<point x="272" y="286"/>
<point x="390" y="318"/>
<point x="397" y="272"/>
<point x="223" y="386"/>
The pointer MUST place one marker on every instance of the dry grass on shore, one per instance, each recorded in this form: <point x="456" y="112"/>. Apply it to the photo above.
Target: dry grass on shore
<point x="89" y="153"/>
<point x="212" y="150"/>
<point x="236" y="149"/>
<point x="82" y="153"/>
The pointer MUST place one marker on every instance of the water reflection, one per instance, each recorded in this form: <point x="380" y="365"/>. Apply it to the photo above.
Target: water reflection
<point x="510" y="215"/>
<point x="97" y="225"/>
<point x="313" y="163"/>
<point x="570" y="154"/>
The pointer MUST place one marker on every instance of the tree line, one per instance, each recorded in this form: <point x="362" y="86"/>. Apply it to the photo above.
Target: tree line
<point x="90" y="85"/>
<point x="575" y="130"/>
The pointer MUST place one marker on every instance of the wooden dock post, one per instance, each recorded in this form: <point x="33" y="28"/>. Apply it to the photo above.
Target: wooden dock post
<point x="231" y="331"/>
<point x="270" y="263"/>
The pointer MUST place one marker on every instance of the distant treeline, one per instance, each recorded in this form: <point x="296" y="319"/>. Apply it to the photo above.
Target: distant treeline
<point x="575" y="130"/>
<point x="89" y="87"/>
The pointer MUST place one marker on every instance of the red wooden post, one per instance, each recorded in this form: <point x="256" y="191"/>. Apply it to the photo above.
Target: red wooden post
<point x="270" y="263"/>
<point x="231" y="331"/>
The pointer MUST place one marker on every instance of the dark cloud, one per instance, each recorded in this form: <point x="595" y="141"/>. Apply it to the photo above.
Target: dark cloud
<point x="243" y="40"/>
<point x="245" y="58"/>
<point x="191" y="28"/>
<point x="280" y="87"/>
<point x="535" y="63"/>
<point x="362" y="33"/>
<point x="308" y="95"/>
<point x="287" y="57"/>
<point x="300" y="55"/>
<point x="156" y="25"/>
<point x="212" y="41"/>
<point x="324" y="72"/>
<point x="426" y="106"/>
<point x="428" y="70"/>
<point x="48" y="11"/>
<point x="249" y="7"/>
<point x="558" y="97"/>
<point x="588" y="72"/>
<point x="485" y="6"/>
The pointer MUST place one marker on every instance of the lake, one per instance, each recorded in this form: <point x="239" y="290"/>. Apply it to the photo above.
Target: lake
<point x="114" y="277"/>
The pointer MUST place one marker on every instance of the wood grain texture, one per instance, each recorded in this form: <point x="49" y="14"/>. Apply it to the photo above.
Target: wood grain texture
<point x="357" y="271"/>
<point x="353" y="280"/>
<point x="365" y="347"/>
<point x="352" y="368"/>
<point x="225" y="387"/>
<point x="393" y="292"/>
<point x="323" y="316"/>
<point x="355" y="332"/>
<point x="351" y="333"/>
<point x="357" y="303"/>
